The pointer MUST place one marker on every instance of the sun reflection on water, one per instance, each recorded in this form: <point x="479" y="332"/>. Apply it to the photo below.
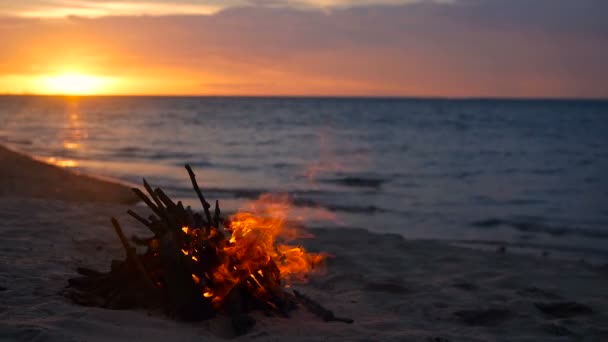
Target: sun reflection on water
<point x="67" y="163"/>
<point x="71" y="145"/>
<point x="72" y="137"/>
<point x="75" y="132"/>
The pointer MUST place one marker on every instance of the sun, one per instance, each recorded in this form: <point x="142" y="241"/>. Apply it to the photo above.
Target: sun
<point x="74" y="84"/>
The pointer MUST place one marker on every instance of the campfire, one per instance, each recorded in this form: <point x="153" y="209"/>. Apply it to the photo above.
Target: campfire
<point x="198" y="265"/>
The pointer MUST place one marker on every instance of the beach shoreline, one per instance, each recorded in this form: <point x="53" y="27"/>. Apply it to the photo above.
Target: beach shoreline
<point x="24" y="176"/>
<point x="52" y="221"/>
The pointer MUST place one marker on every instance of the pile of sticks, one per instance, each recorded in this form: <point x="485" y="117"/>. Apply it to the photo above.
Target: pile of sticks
<point x="178" y="271"/>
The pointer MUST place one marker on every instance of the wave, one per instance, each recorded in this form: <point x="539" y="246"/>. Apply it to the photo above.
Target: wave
<point x="348" y="208"/>
<point x="575" y="251"/>
<point x="15" y="141"/>
<point x="136" y="152"/>
<point x="360" y="182"/>
<point x="538" y="227"/>
<point x="299" y="198"/>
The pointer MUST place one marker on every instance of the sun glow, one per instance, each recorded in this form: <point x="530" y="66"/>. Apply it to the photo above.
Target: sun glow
<point x="74" y="84"/>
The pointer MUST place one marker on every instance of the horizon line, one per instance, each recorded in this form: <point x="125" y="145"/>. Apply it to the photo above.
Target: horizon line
<point x="305" y="96"/>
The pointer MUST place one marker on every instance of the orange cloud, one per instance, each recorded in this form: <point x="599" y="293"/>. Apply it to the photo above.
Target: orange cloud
<point x="467" y="48"/>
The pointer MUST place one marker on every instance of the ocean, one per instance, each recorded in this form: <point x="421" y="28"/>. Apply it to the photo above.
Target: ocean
<point x="525" y="174"/>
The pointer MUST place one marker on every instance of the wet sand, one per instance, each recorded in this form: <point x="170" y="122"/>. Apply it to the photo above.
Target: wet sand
<point x="23" y="176"/>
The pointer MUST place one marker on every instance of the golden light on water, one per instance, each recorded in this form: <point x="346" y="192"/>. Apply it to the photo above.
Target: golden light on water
<point x="75" y="84"/>
<point x="62" y="162"/>
<point x="74" y="138"/>
<point x="71" y="145"/>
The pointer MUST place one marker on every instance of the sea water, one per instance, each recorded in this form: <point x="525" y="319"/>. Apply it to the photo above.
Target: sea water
<point x="529" y="174"/>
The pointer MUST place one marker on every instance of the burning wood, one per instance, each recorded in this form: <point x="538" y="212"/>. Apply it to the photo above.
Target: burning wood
<point x="192" y="268"/>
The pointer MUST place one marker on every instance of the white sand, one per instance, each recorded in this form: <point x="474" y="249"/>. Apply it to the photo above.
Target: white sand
<point x="396" y="290"/>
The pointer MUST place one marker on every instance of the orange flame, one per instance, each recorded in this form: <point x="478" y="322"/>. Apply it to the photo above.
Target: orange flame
<point x="256" y="253"/>
<point x="258" y="232"/>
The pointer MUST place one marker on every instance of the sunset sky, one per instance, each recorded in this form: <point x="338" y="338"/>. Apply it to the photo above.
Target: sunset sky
<point x="470" y="48"/>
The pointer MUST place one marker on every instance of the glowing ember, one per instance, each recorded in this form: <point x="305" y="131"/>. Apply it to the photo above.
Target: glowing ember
<point x="255" y="254"/>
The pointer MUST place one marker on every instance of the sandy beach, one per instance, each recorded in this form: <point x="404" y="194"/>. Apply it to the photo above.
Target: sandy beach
<point x="22" y="176"/>
<point x="52" y="221"/>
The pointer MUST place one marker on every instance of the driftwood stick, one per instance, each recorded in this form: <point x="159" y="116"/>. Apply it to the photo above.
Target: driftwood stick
<point x="190" y="217"/>
<point x="121" y="236"/>
<point x="170" y="212"/>
<point x="149" y="203"/>
<point x="165" y="199"/>
<point x="319" y="310"/>
<point x="216" y="216"/>
<point x="159" y="226"/>
<point x="182" y="215"/>
<point x="141" y="220"/>
<point x="148" y="188"/>
<point x="205" y="204"/>
<point x="159" y="210"/>
<point x="131" y="254"/>
<point x="198" y="220"/>
<point x="180" y="208"/>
